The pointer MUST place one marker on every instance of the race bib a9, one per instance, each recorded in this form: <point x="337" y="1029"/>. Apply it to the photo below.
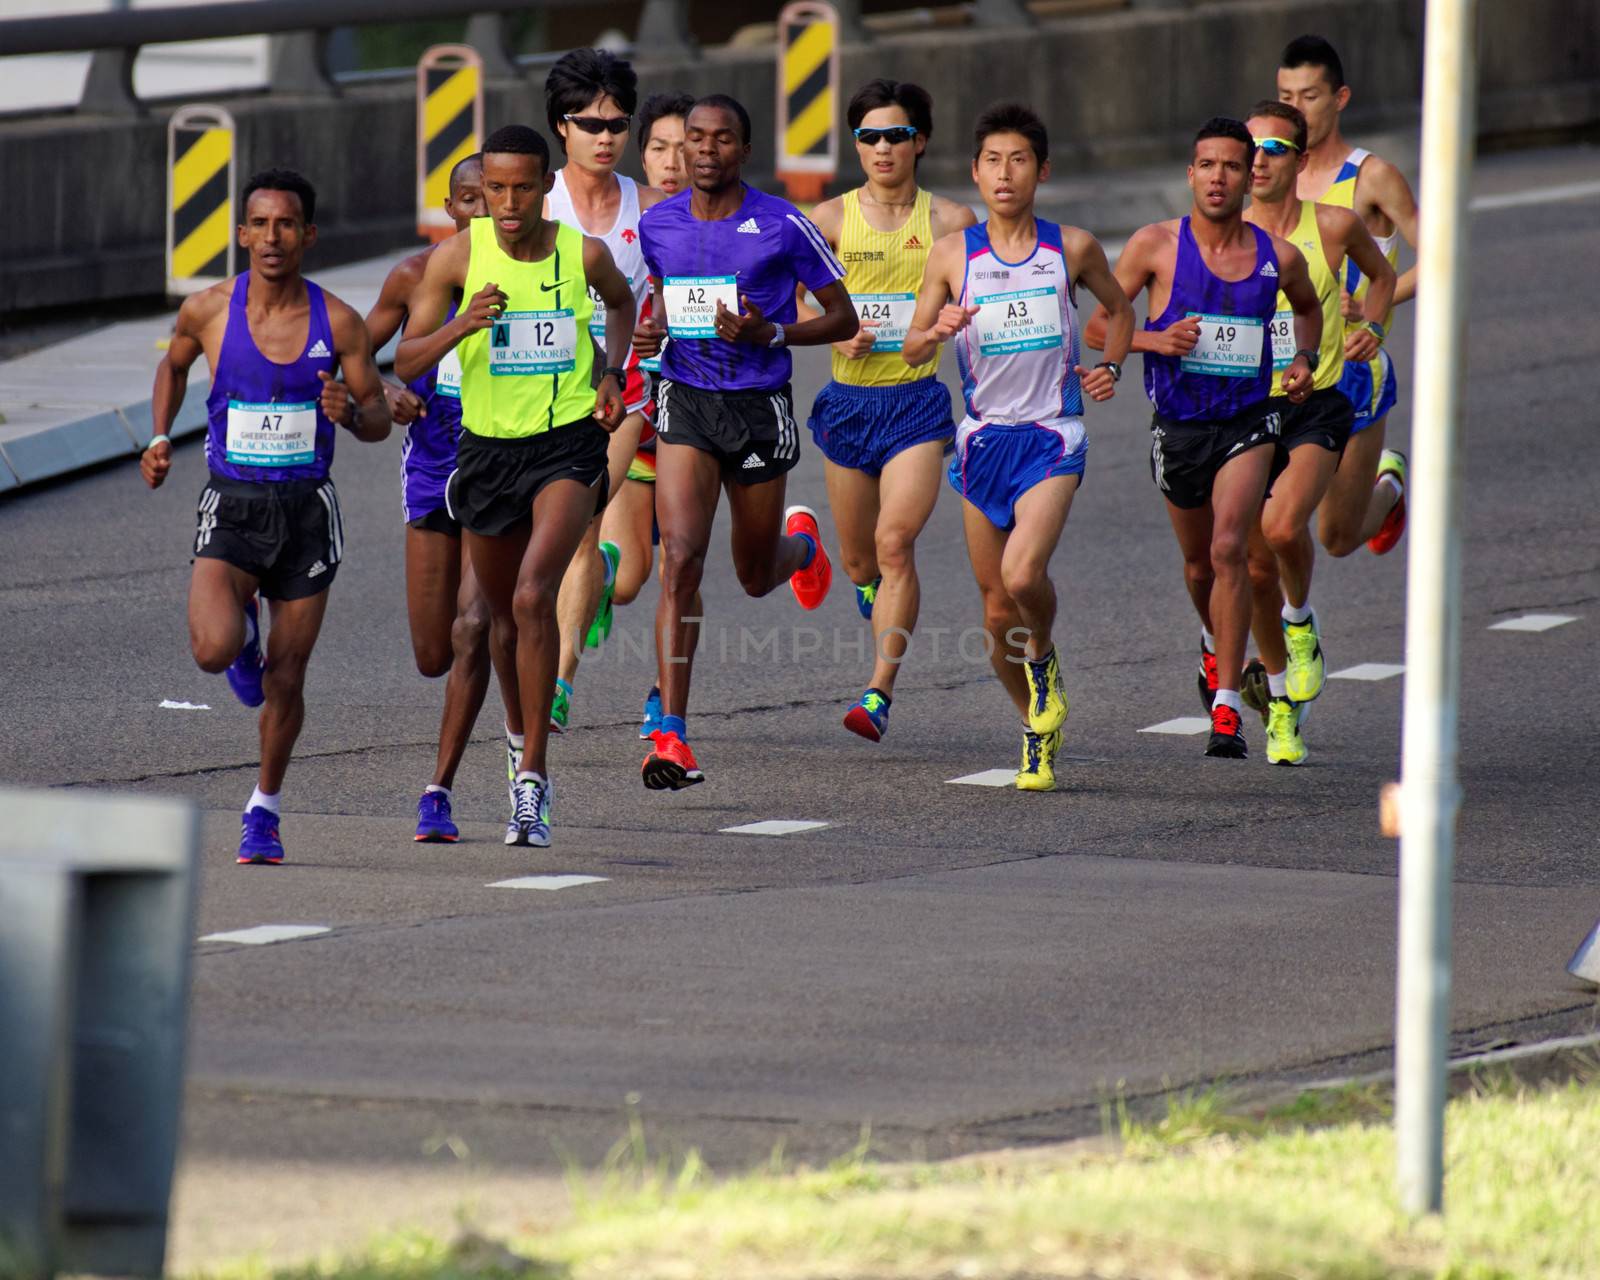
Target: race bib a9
<point x="692" y="303"/>
<point x="528" y="343"/>
<point x="1229" y="346"/>
<point x="272" y="435"/>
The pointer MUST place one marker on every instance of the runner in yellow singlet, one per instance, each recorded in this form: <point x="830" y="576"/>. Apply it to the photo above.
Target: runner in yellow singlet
<point x="1314" y="432"/>
<point x="883" y="426"/>
<point x="1366" y="501"/>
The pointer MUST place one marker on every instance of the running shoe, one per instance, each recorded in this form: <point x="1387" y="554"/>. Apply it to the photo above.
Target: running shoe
<point x="244" y="672"/>
<point x="1391" y="462"/>
<point x="258" y="838"/>
<point x="1227" y="734"/>
<point x="1254" y="690"/>
<point x="1307" y="671"/>
<point x="1207" y="678"/>
<point x="651" y="724"/>
<point x="433" y="820"/>
<point x="670" y="766"/>
<point x="1038" y="771"/>
<point x="513" y="763"/>
<point x="560" y="707"/>
<point x="869" y="717"/>
<point x="530" y="817"/>
<point x="1284" y="743"/>
<point x="867" y="596"/>
<point x="605" y="615"/>
<point x="1047" y="696"/>
<point x="811" y="583"/>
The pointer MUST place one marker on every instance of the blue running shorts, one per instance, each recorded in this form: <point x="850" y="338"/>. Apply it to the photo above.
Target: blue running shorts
<point x="1369" y="386"/>
<point x="995" y="465"/>
<point x="863" y="427"/>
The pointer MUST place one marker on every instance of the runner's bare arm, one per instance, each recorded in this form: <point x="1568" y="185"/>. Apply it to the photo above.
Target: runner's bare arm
<point x="937" y="318"/>
<point x="1392" y="196"/>
<point x="1294" y="278"/>
<point x="650" y="196"/>
<point x="1087" y="260"/>
<point x="648" y="331"/>
<point x="361" y="385"/>
<point x="837" y="322"/>
<point x="427" y="337"/>
<point x="600" y="270"/>
<point x="383" y="322"/>
<point x="1136" y="271"/>
<point x="1363" y="343"/>
<point x="950" y="215"/>
<point x="172" y="376"/>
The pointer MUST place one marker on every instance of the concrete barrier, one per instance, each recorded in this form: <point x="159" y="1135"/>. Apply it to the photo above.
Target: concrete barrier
<point x="82" y="208"/>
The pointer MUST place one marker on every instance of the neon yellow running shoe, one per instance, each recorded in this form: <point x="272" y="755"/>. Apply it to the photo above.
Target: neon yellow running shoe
<point x="1038" y="771"/>
<point x="1306" y="672"/>
<point x="1047" y="696"/>
<point x="1284" y="743"/>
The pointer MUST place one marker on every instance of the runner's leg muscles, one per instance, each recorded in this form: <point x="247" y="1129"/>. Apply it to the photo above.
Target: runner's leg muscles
<point x="986" y="547"/>
<point x="907" y="490"/>
<point x="295" y="627"/>
<point x="495" y="563"/>
<point x="218" y="593"/>
<point x="1236" y="495"/>
<point x="1355" y="504"/>
<point x="1041" y="515"/>
<point x="1286" y="517"/>
<point x="433" y="576"/>
<point x="853" y="503"/>
<point x="764" y="557"/>
<point x="468" y="682"/>
<point x="1266" y="603"/>
<point x="688" y="482"/>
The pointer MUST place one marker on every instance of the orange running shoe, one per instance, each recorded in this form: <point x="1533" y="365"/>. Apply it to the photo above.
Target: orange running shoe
<point x="811" y="583"/>
<point x="670" y="766"/>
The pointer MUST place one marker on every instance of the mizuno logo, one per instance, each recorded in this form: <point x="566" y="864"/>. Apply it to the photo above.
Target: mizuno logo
<point x="752" y="463"/>
<point x="749" y="228"/>
<point x="1270" y="270"/>
<point x="318" y="348"/>
<point x="551" y="288"/>
<point x="1041" y="268"/>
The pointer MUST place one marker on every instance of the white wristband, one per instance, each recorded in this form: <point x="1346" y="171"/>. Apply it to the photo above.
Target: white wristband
<point x="155" y="440"/>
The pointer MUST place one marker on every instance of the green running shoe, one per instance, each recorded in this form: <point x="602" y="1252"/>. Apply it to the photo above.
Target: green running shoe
<point x="1047" y="696"/>
<point x="1284" y="743"/>
<point x="1307" y="671"/>
<point x="560" y="707"/>
<point x="605" y="615"/>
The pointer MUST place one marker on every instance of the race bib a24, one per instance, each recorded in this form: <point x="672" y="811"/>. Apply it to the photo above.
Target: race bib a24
<point x="892" y="312"/>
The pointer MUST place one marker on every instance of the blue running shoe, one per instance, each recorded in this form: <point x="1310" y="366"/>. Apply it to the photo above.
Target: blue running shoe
<point x="258" y="838"/>
<point x="244" y="673"/>
<point x="433" y="820"/>
<point x="869" y="717"/>
<point x="867" y="596"/>
<point x="651" y="724"/>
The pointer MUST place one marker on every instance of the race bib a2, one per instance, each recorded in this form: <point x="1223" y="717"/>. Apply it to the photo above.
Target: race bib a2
<point x="892" y="312"/>
<point x="447" y="380"/>
<point x="1229" y="346"/>
<point x="692" y="303"/>
<point x="528" y="343"/>
<point x="272" y="435"/>
<point x="1280" y="332"/>
<point x="1024" y="320"/>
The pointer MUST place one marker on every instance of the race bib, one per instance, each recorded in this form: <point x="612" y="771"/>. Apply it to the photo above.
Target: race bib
<point x="1026" y="320"/>
<point x="892" y="311"/>
<point x="692" y="303"/>
<point x="527" y="343"/>
<point x="447" y="380"/>
<point x="1280" y="332"/>
<point x="272" y="435"/>
<point x="1229" y="346"/>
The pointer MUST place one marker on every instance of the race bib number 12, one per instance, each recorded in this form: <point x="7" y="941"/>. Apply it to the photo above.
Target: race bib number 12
<point x="528" y="343"/>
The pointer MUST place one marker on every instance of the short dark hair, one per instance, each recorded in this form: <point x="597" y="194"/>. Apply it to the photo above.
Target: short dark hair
<point x="911" y="98"/>
<point x="1314" y="51"/>
<point x="732" y="105"/>
<point x="1012" y="117"/>
<point x="658" y="106"/>
<point x="1283" y="111"/>
<point x="461" y="166"/>
<point x="517" y="140"/>
<point x="1227" y="127"/>
<point x="281" y="180"/>
<point x="579" y="77"/>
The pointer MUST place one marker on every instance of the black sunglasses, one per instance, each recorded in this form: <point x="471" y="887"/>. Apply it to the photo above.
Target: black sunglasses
<point x="895" y="133"/>
<point x="600" y="124"/>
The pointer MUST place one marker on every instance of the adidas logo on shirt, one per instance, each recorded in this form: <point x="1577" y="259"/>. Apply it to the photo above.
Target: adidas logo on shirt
<point x="752" y="463"/>
<point x="748" y="227"/>
<point x="912" y="242"/>
<point x="1269" y="270"/>
<point x="318" y="348"/>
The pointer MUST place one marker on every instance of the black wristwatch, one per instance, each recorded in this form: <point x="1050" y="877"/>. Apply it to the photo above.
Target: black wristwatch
<point x="1313" y="358"/>
<point x="621" y="375"/>
<point x="1116" y="369"/>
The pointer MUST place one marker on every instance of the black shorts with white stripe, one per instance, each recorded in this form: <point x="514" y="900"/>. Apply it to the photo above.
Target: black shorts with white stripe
<point x="288" y="534"/>
<point x="752" y="434"/>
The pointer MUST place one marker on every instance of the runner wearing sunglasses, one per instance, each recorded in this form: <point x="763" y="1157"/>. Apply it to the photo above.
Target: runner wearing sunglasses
<point x="883" y="425"/>
<point x="1314" y="431"/>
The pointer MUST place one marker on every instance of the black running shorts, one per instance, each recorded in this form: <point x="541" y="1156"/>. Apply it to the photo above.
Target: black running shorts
<point x="1324" y="418"/>
<point x="287" y="534"/>
<point x="752" y="434"/>
<point x="1186" y="456"/>
<point x="492" y="489"/>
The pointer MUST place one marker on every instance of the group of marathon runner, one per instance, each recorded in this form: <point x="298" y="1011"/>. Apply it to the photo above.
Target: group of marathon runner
<point x="589" y="364"/>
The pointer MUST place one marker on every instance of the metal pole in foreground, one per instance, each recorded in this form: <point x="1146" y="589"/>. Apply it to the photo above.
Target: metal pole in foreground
<point x="1429" y="790"/>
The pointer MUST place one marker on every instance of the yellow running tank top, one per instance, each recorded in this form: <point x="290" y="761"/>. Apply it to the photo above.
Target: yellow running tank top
<point x="532" y="369"/>
<point x="1330" y="364"/>
<point x="1342" y="194"/>
<point x="883" y="271"/>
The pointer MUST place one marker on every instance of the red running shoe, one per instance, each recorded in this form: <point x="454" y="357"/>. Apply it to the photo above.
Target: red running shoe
<point x="671" y="766"/>
<point x="1391" y="463"/>
<point x="811" y="583"/>
<point x="1207" y="679"/>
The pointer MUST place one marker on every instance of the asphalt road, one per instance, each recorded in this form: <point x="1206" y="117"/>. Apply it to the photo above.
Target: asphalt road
<point x="956" y="966"/>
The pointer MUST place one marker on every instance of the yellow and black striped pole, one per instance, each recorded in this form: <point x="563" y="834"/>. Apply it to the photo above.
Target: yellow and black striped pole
<point x="200" y="187"/>
<point x="449" y="128"/>
<point x="808" y="97"/>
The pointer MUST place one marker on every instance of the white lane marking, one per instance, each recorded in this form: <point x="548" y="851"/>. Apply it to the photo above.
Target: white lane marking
<point x="772" y="827"/>
<point x="1534" y="622"/>
<point x="167" y="704"/>
<point x="548" y="883"/>
<point x="262" y="934"/>
<point x="1183" y="724"/>
<point x="1536" y="195"/>
<point x="1368" y="671"/>
<point x="988" y="778"/>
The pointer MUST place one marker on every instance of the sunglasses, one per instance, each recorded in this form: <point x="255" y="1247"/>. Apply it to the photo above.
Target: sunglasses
<point x="600" y="124"/>
<point x="1275" y="147"/>
<point x="894" y="134"/>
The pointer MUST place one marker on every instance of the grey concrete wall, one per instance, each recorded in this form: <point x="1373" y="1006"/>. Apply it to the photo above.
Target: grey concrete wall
<point x="81" y="201"/>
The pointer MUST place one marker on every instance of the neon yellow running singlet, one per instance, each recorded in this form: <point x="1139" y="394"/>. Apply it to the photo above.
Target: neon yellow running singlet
<point x="883" y="271"/>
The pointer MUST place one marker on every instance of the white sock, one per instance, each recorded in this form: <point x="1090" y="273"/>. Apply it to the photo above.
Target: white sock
<point x="434" y="786"/>
<point x="1208" y="641"/>
<point x="529" y="775"/>
<point x="1228" y="698"/>
<point x="262" y="800"/>
<point x="1393" y="481"/>
<point x="1278" y="683"/>
<point x="1296" y="614"/>
<point x="514" y="740"/>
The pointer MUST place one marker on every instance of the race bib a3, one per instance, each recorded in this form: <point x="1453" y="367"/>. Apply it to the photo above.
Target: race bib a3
<point x="1280" y="332"/>
<point x="1024" y="320"/>
<point x="891" y="311"/>
<point x="692" y="303"/>
<point x="272" y="435"/>
<point x="1229" y="346"/>
<point x="527" y="343"/>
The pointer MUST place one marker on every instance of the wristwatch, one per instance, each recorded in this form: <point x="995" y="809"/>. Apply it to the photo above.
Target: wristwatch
<point x="621" y="375"/>
<point x="1375" y="329"/>
<point x="1116" y="369"/>
<point x="777" y="335"/>
<point x="1313" y="357"/>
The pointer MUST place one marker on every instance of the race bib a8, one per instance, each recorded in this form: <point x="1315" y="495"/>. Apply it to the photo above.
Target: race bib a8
<point x="892" y="313"/>
<point x="1024" y="320"/>
<point x="692" y="303"/>
<point x="1280" y="332"/>
<point x="1229" y="346"/>
<point x="447" y="381"/>
<point x="272" y="435"/>
<point x="528" y="343"/>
